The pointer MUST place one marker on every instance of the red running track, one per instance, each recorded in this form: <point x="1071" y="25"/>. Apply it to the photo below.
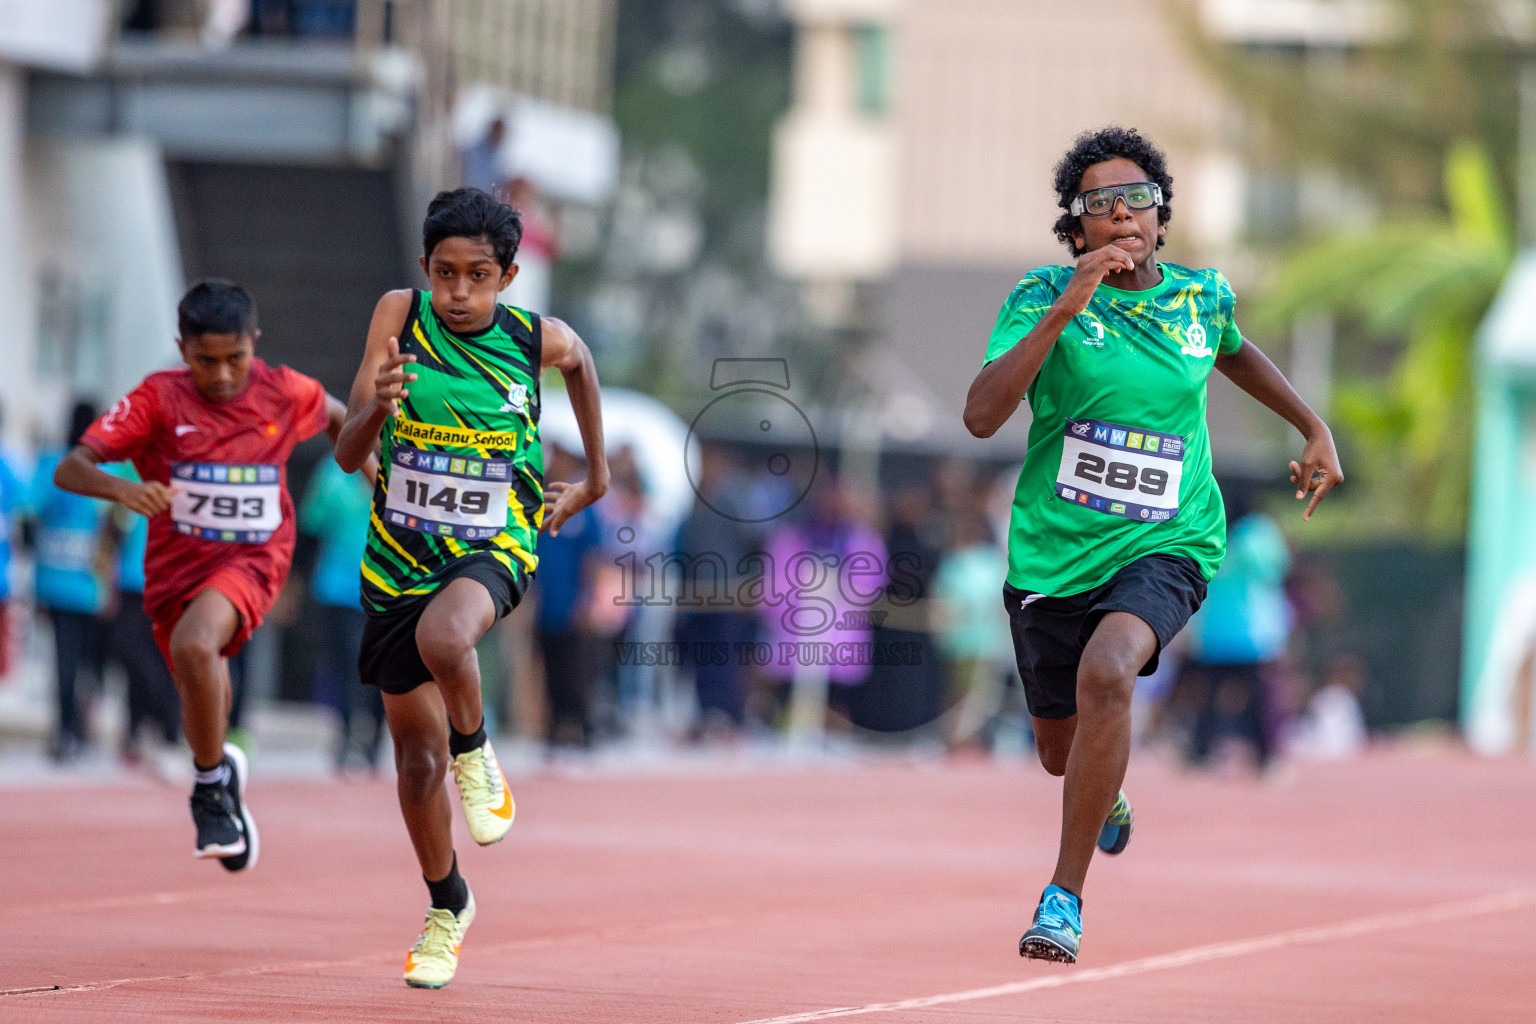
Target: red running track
<point x="1397" y="888"/>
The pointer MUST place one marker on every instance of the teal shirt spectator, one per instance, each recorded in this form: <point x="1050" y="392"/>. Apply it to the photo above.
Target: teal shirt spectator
<point x="68" y="536"/>
<point x="335" y="511"/>
<point x="973" y="622"/>
<point x="13" y="497"/>
<point x="1245" y="619"/>
<point x="130" y="549"/>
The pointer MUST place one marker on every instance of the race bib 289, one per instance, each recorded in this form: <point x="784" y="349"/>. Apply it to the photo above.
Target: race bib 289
<point x="1120" y="470"/>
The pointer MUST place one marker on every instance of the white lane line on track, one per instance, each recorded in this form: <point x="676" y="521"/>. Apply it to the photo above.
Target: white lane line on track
<point x="1495" y="904"/>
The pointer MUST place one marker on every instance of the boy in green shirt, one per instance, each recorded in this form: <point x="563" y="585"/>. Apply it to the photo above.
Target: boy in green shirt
<point x="1117" y="521"/>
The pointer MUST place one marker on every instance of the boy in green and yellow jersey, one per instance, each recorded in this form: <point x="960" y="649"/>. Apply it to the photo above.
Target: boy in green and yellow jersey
<point x="449" y="391"/>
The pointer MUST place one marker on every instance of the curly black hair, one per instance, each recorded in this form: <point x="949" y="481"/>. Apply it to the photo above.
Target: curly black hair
<point x="1095" y="147"/>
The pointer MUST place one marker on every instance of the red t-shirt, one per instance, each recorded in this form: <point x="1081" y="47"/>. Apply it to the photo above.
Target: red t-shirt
<point x="230" y="460"/>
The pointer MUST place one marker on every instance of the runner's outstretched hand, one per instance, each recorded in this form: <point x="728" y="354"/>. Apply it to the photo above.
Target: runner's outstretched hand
<point x="390" y="385"/>
<point x="563" y="500"/>
<point x="1318" y="471"/>
<point x="1092" y="268"/>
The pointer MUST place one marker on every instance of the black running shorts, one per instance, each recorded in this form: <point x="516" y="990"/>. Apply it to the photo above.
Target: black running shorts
<point x="389" y="658"/>
<point x="1050" y="633"/>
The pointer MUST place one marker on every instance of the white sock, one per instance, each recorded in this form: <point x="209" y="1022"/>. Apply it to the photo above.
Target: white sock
<point x="213" y="776"/>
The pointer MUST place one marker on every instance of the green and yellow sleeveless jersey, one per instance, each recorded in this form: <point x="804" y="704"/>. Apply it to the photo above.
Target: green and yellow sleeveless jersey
<point x="460" y="464"/>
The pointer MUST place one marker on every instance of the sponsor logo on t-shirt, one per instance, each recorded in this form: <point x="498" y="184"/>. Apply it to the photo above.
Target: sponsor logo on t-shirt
<point x="1195" y="333"/>
<point x="183" y="429"/>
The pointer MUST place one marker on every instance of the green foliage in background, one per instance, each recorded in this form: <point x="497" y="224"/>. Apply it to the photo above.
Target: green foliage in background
<point x="1423" y="283"/>
<point x="1421" y="119"/>
<point x="708" y="77"/>
<point x="1385" y="113"/>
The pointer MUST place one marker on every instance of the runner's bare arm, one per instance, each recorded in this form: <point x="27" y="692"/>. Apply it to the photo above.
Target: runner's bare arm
<point x="336" y="417"/>
<point x="1000" y="386"/>
<point x="80" y="472"/>
<point x="565" y="351"/>
<point x="381" y="381"/>
<point x="1318" y="472"/>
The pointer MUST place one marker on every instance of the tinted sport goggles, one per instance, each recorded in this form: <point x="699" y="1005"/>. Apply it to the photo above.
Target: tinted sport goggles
<point x="1099" y="202"/>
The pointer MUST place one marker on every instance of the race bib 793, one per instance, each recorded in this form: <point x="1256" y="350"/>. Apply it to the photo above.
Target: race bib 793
<point x="1121" y="471"/>
<point x="234" y="504"/>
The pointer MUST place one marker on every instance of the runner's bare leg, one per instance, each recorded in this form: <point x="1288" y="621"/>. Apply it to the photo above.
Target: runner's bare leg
<point x="202" y="673"/>
<point x="1121" y="644"/>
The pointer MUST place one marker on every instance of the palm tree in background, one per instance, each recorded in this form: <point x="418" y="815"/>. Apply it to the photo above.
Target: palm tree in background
<point x="1420" y="284"/>
<point x="1420" y="113"/>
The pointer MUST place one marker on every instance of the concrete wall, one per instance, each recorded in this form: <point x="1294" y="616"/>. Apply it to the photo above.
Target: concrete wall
<point x="103" y="251"/>
<point x="16" y="295"/>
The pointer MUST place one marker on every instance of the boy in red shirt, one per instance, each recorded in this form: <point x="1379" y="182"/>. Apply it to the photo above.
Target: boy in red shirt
<point x="211" y="443"/>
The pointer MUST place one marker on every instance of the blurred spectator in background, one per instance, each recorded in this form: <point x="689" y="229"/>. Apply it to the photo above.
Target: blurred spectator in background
<point x="304" y="18"/>
<point x="564" y="580"/>
<point x="68" y="534"/>
<point x="480" y="162"/>
<point x="1333" y="726"/>
<point x="335" y="511"/>
<point x="709" y="549"/>
<point x="620" y="518"/>
<point x="1239" y="634"/>
<point x="972" y="628"/>
<point x="142" y="15"/>
<point x="832" y="571"/>
<point x="536" y="253"/>
<point x="152" y="698"/>
<point x="13" y="495"/>
<point x="909" y="695"/>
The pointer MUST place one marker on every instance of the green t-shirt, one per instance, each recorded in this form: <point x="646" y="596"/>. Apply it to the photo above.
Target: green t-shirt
<point x="1119" y="462"/>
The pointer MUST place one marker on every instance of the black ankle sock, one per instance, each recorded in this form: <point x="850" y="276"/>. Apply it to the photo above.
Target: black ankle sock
<point x="464" y="742"/>
<point x="450" y="893"/>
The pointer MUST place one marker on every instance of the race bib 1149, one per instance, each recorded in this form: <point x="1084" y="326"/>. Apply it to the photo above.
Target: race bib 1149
<point x="448" y="495"/>
<point x="1121" y="471"/>
<point x="218" y="501"/>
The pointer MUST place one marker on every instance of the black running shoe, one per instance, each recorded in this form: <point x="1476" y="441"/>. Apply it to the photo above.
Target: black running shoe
<point x="219" y="831"/>
<point x="239" y="773"/>
<point x="224" y="827"/>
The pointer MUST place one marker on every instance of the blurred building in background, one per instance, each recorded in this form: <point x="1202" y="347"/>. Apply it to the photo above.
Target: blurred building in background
<point x="912" y="172"/>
